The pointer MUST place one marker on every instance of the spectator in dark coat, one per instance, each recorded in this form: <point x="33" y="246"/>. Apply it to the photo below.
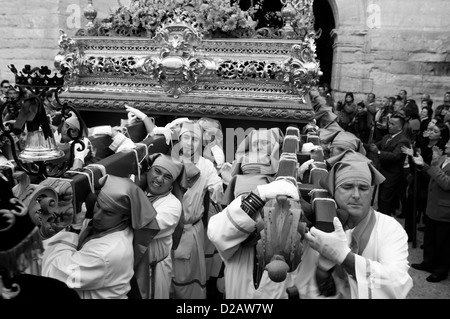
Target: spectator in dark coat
<point x="346" y="110"/>
<point x="436" y="256"/>
<point x="381" y="119"/>
<point x="391" y="161"/>
<point x="437" y="135"/>
<point x="426" y="114"/>
<point x="446" y="105"/>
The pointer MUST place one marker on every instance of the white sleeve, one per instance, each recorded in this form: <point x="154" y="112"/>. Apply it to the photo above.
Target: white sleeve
<point x="121" y="143"/>
<point x="83" y="269"/>
<point x="229" y="228"/>
<point x="386" y="275"/>
<point x="214" y="183"/>
<point x="168" y="215"/>
<point x="218" y="154"/>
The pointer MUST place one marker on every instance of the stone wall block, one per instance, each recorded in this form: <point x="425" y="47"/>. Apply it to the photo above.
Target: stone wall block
<point x="367" y="85"/>
<point x="401" y="55"/>
<point x="349" y="84"/>
<point x="436" y="68"/>
<point x="381" y="55"/>
<point x="429" y="57"/>
<point x="353" y="70"/>
<point x="400" y="67"/>
<point x="351" y="57"/>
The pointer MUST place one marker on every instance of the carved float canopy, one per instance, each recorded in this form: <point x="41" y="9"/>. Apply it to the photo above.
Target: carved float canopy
<point x="178" y="72"/>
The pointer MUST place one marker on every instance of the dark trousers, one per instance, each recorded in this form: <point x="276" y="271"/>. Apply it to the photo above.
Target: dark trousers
<point x="387" y="195"/>
<point x="436" y="250"/>
<point x="416" y="202"/>
<point x="402" y="190"/>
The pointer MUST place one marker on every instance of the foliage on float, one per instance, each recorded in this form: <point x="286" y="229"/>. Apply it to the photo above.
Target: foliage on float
<point x="213" y="18"/>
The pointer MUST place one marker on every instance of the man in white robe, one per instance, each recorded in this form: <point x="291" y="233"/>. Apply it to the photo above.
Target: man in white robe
<point x="97" y="260"/>
<point x="154" y="272"/>
<point x="230" y="229"/>
<point x="367" y="258"/>
<point x="378" y="267"/>
<point x="199" y="176"/>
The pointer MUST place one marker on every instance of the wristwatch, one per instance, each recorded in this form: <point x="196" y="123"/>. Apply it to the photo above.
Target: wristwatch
<point x="73" y="230"/>
<point x="251" y="204"/>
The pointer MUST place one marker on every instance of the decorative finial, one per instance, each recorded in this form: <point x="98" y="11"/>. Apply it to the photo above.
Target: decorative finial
<point x="288" y="12"/>
<point x="90" y="13"/>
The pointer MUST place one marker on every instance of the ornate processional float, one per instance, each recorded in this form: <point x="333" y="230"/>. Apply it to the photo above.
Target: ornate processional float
<point x="194" y="58"/>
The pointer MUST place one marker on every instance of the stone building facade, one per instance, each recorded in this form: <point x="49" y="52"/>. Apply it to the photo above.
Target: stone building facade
<point x="384" y="46"/>
<point x="379" y="46"/>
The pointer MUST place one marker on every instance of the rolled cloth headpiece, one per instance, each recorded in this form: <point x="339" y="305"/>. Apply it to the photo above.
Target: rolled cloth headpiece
<point x="250" y="161"/>
<point x="192" y="127"/>
<point x="350" y="166"/>
<point x="190" y="173"/>
<point x="120" y="195"/>
<point x="172" y="165"/>
<point x="327" y="135"/>
<point x="357" y="171"/>
<point x="323" y="114"/>
<point x="212" y="128"/>
<point x="212" y="140"/>
<point x="348" y="140"/>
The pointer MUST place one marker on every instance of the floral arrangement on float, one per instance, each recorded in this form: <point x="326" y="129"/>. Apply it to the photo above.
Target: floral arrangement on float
<point x="218" y="18"/>
<point x="159" y="50"/>
<point x="212" y="18"/>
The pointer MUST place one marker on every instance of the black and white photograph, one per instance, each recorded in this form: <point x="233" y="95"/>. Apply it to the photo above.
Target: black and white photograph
<point x="224" y="155"/>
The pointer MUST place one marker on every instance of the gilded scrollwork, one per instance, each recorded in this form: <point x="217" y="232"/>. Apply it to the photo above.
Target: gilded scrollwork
<point x="69" y="59"/>
<point x="176" y="68"/>
<point x="197" y="108"/>
<point x="50" y="204"/>
<point x="17" y="208"/>
<point x="302" y="70"/>
<point x="250" y="78"/>
<point x="250" y="69"/>
<point x="9" y="293"/>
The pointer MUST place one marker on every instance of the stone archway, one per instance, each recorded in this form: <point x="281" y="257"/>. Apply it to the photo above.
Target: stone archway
<point x="324" y="21"/>
<point x="350" y="46"/>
